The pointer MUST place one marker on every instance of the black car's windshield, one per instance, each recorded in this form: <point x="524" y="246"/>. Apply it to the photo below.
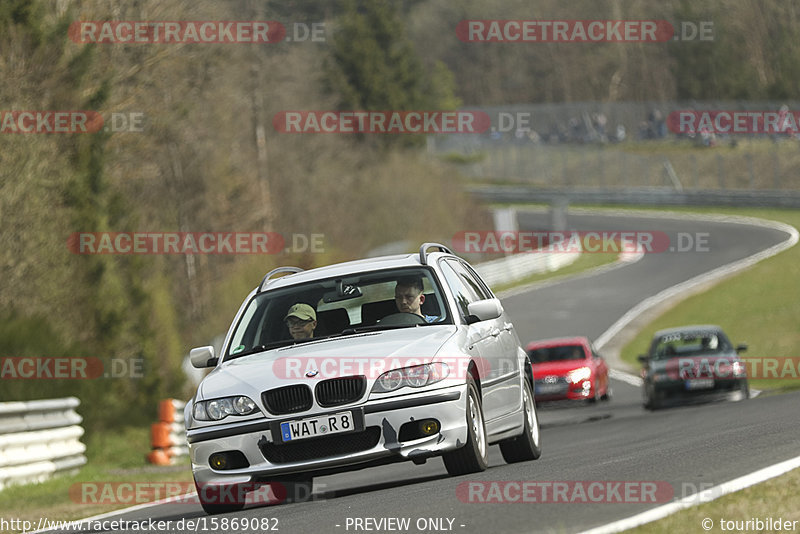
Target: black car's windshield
<point x="370" y="301"/>
<point x="554" y="354"/>
<point x="690" y="344"/>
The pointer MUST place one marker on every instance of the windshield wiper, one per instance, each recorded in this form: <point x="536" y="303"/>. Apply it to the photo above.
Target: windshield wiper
<point x="377" y="327"/>
<point x="261" y="348"/>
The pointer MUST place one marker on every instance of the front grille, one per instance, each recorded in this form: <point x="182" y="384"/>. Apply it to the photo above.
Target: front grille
<point x="338" y="391"/>
<point x="289" y="399"/>
<point x="323" y="447"/>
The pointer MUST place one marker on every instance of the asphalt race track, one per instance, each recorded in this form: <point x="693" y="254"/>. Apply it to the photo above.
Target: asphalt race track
<point x="682" y="449"/>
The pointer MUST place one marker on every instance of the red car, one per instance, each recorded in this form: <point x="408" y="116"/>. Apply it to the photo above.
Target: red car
<point x="568" y="369"/>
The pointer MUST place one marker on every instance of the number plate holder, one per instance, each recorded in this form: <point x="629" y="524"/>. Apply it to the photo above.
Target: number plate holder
<point x="317" y="426"/>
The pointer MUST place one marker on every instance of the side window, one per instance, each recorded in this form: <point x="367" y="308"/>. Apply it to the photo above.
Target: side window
<point x="462" y="293"/>
<point x="468" y="279"/>
<point x="485" y="292"/>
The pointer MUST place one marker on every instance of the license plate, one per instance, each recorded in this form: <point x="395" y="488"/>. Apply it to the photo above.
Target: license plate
<point x="547" y="389"/>
<point x="332" y="423"/>
<point x="700" y="383"/>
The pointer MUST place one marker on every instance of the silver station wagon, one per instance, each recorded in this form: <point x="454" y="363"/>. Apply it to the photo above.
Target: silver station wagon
<point x="358" y="365"/>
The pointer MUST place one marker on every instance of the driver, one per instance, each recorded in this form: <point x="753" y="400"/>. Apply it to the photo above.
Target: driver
<point x="408" y="297"/>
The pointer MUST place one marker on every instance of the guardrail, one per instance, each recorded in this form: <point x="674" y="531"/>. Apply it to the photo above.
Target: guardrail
<point x="518" y="266"/>
<point x="649" y="196"/>
<point x="39" y="439"/>
<point x="168" y="435"/>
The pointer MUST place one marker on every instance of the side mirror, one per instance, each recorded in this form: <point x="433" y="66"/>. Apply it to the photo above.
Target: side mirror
<point x="202" y="357"/>
<point x="642" y="358"/>
<point x="741" y="347"/>
<point x="484" y="310"/>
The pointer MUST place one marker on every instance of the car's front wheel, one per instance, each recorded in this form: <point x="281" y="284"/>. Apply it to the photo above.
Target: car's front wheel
<point x="473" y="457"/>
<point x="527" y="446"/>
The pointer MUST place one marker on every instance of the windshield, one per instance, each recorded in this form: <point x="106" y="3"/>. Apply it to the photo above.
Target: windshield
<point x="690" y="344"/>
<point x="554" y="354"/>
<point x="336" y="306"/>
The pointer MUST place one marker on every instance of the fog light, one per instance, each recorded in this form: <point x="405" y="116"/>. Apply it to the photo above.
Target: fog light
<point x="221" y="461"/>
<point x="429" y="427"/>
<point x="218" y="461"/>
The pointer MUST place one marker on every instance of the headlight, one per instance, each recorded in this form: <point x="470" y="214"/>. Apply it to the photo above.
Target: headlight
<point x="581" y="373"/>
<point x="660" y="377"/>
<point x="414" y="377"/>
<point x="216" y="409"/>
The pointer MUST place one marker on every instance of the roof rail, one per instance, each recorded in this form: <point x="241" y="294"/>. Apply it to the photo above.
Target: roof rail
<point x="423" y="251"/>
<point x="266" y="278"/>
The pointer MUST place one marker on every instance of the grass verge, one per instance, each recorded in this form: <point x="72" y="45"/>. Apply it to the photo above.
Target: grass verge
<point x="770" y="499"/>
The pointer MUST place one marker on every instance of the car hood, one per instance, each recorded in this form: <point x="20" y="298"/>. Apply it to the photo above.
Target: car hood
<point x="559" y="368"/>
<point x="369" y="354"/>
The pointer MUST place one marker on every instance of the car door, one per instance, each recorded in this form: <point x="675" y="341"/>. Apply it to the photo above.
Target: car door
<point x="499" y="383"/>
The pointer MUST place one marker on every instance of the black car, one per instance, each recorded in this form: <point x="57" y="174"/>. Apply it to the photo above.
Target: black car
<point x="689" y="362"/>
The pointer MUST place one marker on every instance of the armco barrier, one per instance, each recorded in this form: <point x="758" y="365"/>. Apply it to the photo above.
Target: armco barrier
<point x="519" y="266"/>
<point x="168" y="435"/>
<point x="38" y="439"/>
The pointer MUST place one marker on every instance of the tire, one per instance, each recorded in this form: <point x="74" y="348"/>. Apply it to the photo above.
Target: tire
<point x="650" y="402"/>
<point x="654" y="400"/>
<point x="527" y="446"/>
<point x="217" y="499"/>
<point x="745" y="389"/>
<point x="608" y="394"/>
<point x="473" y="457"/>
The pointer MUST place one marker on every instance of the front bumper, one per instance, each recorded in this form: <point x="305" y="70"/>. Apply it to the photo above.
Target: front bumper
<point x="378" y="443"/>
<point x="684" y="389"/>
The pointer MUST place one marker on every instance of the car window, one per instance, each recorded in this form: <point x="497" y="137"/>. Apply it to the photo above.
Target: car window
<point x="469" y="279"/>
<point x="692" y="343"/>
<point x="556" y="354"/>
<point x="339" y="305"/>
<point x="463" y="292"/>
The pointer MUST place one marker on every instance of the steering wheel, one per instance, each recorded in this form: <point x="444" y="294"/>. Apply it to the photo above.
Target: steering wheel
<point x="401" y="318"/>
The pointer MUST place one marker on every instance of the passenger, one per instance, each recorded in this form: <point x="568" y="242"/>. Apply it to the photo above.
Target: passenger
<point x="301" y="320"/>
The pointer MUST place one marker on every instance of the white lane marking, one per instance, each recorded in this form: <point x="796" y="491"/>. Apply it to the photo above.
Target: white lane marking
<point x="626" y="377"/>
<point x="75" y="522"/>
<point x="705" y="496"/>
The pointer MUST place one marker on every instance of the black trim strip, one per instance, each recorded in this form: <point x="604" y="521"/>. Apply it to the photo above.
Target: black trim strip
<point x="258" y="426"/>
<point x="508" y="377"/>
<point x="410" y="403"/>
